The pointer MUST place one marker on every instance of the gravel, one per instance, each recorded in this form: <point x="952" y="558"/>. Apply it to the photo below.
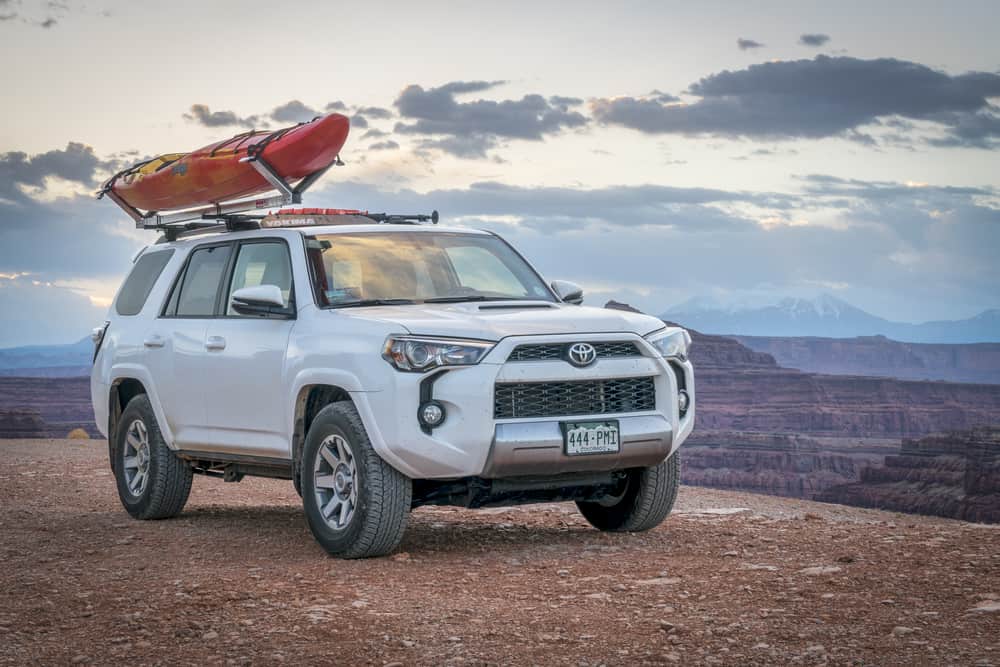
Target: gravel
<point x="728" y="579"/>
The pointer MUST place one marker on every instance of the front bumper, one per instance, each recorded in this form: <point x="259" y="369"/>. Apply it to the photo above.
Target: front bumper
<point x="472" y="443"/>
<point x="532" y="448"/>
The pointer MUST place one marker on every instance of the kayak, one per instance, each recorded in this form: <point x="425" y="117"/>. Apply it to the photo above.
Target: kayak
<point x="215" y="173"/>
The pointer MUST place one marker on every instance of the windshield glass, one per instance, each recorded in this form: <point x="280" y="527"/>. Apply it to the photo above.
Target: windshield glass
<point x="370" y="268"/>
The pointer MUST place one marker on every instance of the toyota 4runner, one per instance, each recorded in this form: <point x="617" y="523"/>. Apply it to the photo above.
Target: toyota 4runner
<point x="382" y="367"/>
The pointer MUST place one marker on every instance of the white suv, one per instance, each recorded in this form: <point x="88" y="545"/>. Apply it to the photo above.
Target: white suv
<point x="382" y="367"/>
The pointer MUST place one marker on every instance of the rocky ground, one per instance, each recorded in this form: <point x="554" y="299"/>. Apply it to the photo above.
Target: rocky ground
<point x="731" y="578"/>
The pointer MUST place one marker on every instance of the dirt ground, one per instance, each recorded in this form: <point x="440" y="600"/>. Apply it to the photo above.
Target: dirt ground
<point x="729" y="578"/>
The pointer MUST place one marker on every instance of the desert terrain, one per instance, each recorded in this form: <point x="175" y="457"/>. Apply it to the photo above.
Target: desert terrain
<point x="730" y="578"/>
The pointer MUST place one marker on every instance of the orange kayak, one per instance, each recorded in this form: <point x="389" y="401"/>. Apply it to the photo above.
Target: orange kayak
<point x="215" y="174"/>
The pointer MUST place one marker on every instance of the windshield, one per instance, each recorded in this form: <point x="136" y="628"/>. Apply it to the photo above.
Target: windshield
<point x="373" y="268"/>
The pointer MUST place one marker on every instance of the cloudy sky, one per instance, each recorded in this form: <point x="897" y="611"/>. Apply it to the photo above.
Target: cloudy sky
<point x="650" y="151"/>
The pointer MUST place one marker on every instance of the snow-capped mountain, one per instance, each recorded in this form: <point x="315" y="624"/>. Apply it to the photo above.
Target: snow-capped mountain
<point x="829" y="317"/>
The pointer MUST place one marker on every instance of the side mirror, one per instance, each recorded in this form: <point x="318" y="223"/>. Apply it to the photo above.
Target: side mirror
<point x="568" y="292"/>
<point x="259" y="300"/>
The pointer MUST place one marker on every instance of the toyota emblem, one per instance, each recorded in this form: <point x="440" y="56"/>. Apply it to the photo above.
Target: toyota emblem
<point x="582" y="354"/>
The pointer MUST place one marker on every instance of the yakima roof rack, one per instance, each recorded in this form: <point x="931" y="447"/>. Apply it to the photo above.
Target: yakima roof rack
<point x="222" y="213"/>
<point x="309" y="217"/>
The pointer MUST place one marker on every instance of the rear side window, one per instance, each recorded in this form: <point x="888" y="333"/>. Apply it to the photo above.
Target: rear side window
<point x="196" y="293"/>
<point x="140" y="281"/>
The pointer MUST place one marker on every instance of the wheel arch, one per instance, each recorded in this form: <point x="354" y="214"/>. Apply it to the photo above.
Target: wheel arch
<point x="128" y="381"/>
<point x="309" y="400"/>
<point x="122" y="390"/>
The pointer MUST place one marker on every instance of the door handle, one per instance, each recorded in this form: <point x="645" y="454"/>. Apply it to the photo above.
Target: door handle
<point x="154" y="341"/>
<point x="215" y="343"/>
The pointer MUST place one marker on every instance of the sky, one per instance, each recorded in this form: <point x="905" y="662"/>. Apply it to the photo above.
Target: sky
<point x="653" y="152"/>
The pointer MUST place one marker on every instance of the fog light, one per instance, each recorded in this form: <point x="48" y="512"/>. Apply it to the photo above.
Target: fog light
<point x="683" y="400"/>
<point x="431" y="414"/>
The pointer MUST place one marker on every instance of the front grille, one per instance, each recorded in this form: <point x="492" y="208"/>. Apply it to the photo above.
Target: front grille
<point x="549" y="351"/>
<point x="563" y="399"/>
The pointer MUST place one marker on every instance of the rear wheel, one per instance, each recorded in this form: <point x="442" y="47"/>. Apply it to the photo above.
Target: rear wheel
<point x="644" y="502"/>
<point x="356" y="504"/>
<point x="152" y="482"/>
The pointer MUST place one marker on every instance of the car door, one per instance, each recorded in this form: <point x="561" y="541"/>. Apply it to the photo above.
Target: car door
<point x="245" y="357"/>
<point x="176" y="343"/>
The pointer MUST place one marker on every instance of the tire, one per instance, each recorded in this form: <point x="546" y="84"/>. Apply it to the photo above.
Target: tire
<point x="154" y="484"/>
<point x="355" y="503"/>
<point x="648" y="497"/>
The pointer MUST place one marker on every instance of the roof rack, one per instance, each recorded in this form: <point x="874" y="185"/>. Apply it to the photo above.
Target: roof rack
<point x="223" y="212"/>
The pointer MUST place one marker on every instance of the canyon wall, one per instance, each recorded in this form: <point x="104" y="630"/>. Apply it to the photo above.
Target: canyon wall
<point x="953" y="475"/>
<point x="880" y="356"/>
<point x="765" y="428"/>
<point x="61" y="404"/>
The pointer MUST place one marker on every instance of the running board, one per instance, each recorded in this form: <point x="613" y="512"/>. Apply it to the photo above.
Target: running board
<point x="234" y="467"/>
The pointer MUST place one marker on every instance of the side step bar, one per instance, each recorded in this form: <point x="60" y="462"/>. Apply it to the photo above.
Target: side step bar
<point x="234" y="467"/>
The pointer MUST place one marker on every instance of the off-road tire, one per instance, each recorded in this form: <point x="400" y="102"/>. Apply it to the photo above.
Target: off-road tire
<point x="383" y="493"/>
<point x="169" y="478"/>
<point x="648" y="497"/>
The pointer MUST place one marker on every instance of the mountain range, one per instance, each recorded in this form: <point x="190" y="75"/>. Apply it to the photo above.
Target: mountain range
<point x="829" y="317"/>
<point x="48" y="360"/>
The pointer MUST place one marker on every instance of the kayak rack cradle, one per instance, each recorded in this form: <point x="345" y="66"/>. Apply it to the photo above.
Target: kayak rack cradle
<point x="218" y="214"/>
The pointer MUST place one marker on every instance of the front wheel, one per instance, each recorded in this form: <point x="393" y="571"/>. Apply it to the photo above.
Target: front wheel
<point x="644" y="502"/>
<point x="356" y="504"/>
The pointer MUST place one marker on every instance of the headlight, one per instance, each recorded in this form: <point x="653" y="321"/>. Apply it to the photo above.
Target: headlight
<point x="407" y="353"/>
<point x="673" y="344"/>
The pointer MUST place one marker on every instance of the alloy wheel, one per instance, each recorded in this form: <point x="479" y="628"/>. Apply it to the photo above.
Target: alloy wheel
<point x="137" y="456"/>
<point x="335" y="475"/>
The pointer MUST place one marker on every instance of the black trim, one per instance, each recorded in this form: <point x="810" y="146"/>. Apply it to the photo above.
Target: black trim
<point x="222" y="290"/>
<point x="179" y="282"/>
<point x="218" y="457"/>
<point x="681" y="382"/>
<point x="427" y="394"/>
<point x="290" y="312"/>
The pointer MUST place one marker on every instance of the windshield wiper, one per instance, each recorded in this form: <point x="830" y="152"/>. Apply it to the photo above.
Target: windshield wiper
<point x="373" y="302"/>
<point x="472" y="297"/>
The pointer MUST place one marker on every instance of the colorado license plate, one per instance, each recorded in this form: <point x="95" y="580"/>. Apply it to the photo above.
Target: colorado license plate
<point x="590" y="437"/>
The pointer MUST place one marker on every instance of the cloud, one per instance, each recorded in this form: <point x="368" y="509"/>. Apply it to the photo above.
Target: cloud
<point x="748" y="44"/>
<point x="77" y="163"/>
<point x="378" y="113"/>
<point x="822" y="97"/>
<point x="48" y="23"/>
<point x="71" y="236"/>
<point x="201" y="114"/>
<point x="564" y="102"/>
<point x="294" y="112"/>
<point x="383" y="146"/>
<point x="550" y="208"/>
<point x="472" y="147"/>
<point x="657" y="245"/>
<point x="813" y="39"/>
<point x="374" y="133"/>
<point x="41" y="313"/>
<point x="470" y="129"/>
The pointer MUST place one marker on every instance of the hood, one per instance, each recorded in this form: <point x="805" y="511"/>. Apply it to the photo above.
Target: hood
<point x="496" y="320"/>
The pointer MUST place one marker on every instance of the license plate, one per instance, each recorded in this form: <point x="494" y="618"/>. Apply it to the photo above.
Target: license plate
<point x="590" y="437"/>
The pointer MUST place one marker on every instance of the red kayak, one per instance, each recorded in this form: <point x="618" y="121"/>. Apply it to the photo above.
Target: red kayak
<point x="215" y="173"/>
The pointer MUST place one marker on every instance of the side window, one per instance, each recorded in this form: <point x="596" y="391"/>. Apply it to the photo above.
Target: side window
<point x="133" y="294"/>
<point x="261" y="264"/>
<point x="195" y="294"/>
<point x="479" y="269"/>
